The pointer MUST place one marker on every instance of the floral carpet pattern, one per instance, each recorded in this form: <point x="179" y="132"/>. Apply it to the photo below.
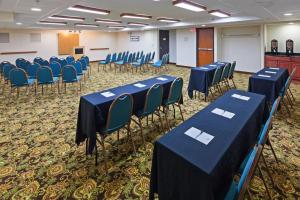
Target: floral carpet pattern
<point x="40" y="160"/>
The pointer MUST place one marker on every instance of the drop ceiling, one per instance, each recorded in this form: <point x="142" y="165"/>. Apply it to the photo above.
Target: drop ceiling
<point x="242" y="11"/>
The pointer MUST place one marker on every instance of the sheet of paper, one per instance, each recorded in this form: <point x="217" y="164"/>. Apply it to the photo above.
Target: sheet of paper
<point x="245" y="98"/>
<point x="193" y="132"/>
<point x="228" y="115"/>
<point x="205" y="138"/>
<point x="236" y="96"/>
<point x="161" y="78"/>
<point x="139" y="85"/>
<point x="276" y="68"/>
<point x="204" y="68"/>
<point x="107" y="94"/>
<point x="271" y="72"/>
<point x="262" y="75"/>
<point x="218" y="111"/>
<point x="213" y="65"/>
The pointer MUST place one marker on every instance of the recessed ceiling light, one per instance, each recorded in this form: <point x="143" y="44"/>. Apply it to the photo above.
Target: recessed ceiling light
<point x="203" y="25"/>
<point x="189" y="5"/>
<point x="108" y="21"/>
<point x="52" y="23"/>
<point x="169" y="20"/>
<point x="137" y="24"/>
<point x="219" y="13"/>
<point x="288" y="14"/>
<point x="36" y="9"/>
<point x="291" y="23"/>
<point x="135" y="16"/>
<point x="19" y="23"/>
<point x="86" y="25"/>
<point x="116" y="27"/>
<point x="86" y="9"/>
<point x="65" y="17"/>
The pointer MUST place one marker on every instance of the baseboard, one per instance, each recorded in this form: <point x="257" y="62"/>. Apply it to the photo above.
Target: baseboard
<point x="243" y="72"/>
<point x="184" y="66"/>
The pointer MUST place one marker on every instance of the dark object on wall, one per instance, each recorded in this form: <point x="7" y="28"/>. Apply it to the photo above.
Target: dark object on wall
<point x="274" y="46"/>
<point x="289" y="47"/>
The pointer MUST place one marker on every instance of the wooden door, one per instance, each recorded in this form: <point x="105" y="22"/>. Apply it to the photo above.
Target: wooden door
<point x="205" y="46"/>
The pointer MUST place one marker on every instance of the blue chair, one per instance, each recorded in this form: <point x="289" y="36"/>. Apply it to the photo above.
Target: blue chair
<point x="119" y="116"/>
<point x="133" y="57"/>
<point x="77" y="65"/>
<point x="24" y="64"/>
<point x="7" y="67"/>
<point x="32" y="70"/>
<point x="70" y="60"/>
<point x="45" y="77"/>
<point x="2" y="65"/>
<point x="104" y="62"/>
<point x="137" y="56"/>
<point x="123" y="55"/>
<point x="37" y="59"/>
<point x="238" y="189"/>
<point x="18" y="78"/>
<point x="174" y="99"/>
<point x="231" y="72"/>
<point x="224" y="75"/>
<point x="56" y="69"/>
<point x="69" y="75"/>
<point x="160" y="63"/>
<point x="62" y="62"/>
<point x="152" y="104"/>
<point x="152" y="57"/>
<point x="119" y="57"/>
<point x="53" y="59"/>
<point x="142" y="53"/>
<point x="19" y="61"/>
<point x="137" y="65"/>
<point x="215" y="82"/>
<point x="285" y="96"/>
<point x="121" y="63"/>
<point x="88" y="66"/>
<point x="45" y="63"/>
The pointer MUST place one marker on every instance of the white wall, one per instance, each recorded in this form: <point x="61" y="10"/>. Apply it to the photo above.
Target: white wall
<point x="283" y="32"/>
<point x="148" y="42"/>
<point x="186" y="47"/>
<point x="243" y="44"/>
<point x="173" y="47"/>
<point x="20" y="41"/>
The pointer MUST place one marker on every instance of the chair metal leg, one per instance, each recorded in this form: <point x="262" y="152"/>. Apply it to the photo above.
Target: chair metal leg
<point x="289" y="99"/>
<point x="142" y="135"/>
<point x="166" y="117"/>
<point x="292" y="94"/>
<point x="104" y="153"/>
<point x="286" y="107"/>
<point x="249" y="194"/>
<point x="264" y="181"/>
<point x="96" y="157"/>
<point x="273" y="152"/>
<point x="131" y="138"/>
<point x="160" y="119"/>
<point x="267" y="169"/>
<point x="173" y="111"/>
<point x="233" y="83"/>
<point x="180" y="111"/>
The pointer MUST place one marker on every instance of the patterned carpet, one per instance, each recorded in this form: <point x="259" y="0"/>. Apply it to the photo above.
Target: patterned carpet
<point x="40" y="160"/>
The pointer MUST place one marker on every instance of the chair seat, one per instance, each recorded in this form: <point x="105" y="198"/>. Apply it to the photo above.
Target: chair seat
<point x="103" y="62"/>
<point x="55" y="79"/>
<point x="136" y="64"/>
<point x="120" y="63"/>
<point x="157" y="65"/>
<point x="232" y="192"/>
<point x="31" y="81"/>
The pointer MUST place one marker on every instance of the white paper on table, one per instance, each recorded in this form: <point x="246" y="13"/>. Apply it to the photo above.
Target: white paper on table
<point x="107" y="94"/>
<point x="236" y="96"/>
<point x="245" y="98"/>
<point x="228" y="115"/>
<point x="274" y="68"/>
<point x="139" y="85"/>
<point x="203" y="68"/>
<point x="261" y="75"/>
<point x="205" y="138"/>
<point x="213" y="65"/>
<point x="161" y="78"/>
<point x="218" y="111"/>
<point x="193" y="132"/>
<point x="271" y="72"/>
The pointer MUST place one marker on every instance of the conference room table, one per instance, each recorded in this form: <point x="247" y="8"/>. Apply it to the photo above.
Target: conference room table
<point x="93" y="108"/>
<point x="199" y="158"/>
<point x="202" y="77"/>
<point x="268" y="81"/>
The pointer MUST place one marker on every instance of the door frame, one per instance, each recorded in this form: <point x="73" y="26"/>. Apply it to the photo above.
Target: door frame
<point x="197" y="42"/>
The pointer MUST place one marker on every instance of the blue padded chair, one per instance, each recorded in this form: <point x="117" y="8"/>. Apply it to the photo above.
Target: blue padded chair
<point x="285" y="96"/>
<point x="32" y="70"/>
<point x="37" y="59"/>
<point x="56" y="69"/>
<point x="133" y="57"/>
<point x="83" y="65"/>
<point x="18" y="78"/>
<point x="152" y="57"/>
<point x="215" y="82"/>
<point x="62" y="62"/>
<point x="119" y="57"/>
<point x="174" y="99"/>
<point x="24" y="64"/>
<point x="45" y="63"/>
<point x="225" y="74"/>
<point x="104" y="62"/>
<point x="113" y="59"/>
<point x="19" y="61"/>
<point x="70" y="60"/>
<point x="53" y="59"/>
<point x="6" y="70"/>
<point x="78" y="68"/>
<point x="238" y="189"/>
<point x="142" y="53"/>
<point x="137" y="55"/>
<point x="123" y="55"/>
<point x="137" y="65"/>
<point x="121" y="63"/>
<point x="2" y="65"/>
<point x="160" y="63"/>
<point x="69" y="75"/>
<point x="45" y="77"/>
<point x="152" y="104"/>
<point x="118" y="117"/>
<point x="88" y="66"/>
<point x="231" y="72"/>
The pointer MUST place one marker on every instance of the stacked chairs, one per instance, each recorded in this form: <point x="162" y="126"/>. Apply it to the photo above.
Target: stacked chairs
<point x="45" y="77"/>
<point x="18" y="78"/>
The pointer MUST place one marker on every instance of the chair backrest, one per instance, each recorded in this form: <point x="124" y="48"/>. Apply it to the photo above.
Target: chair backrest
<point x="107" y="58"/>
<point x="225" y="71"/>
<point x="53" y="59"/>
<point x="142" y="53"/>
<point x="70" y="59"/>
<point x="142" y="60"/>
<point x="62" y="62"/>
<point x="285" y="87"/>
<point x="119" y="113"/>
<point x="217" y="76"/>
<point x="129" y="58"/>
<point x="18" y="77"/>
<point x="2" y="65"/>
<point x="153" y="98"/>
<point x="138" y="55"/>
<point x="153" y="55"/>
<point x="44" y="63"/>
<point x="32" y="70"/>
<point x="56" y="69"/>
<point x="24" y="64"/>
<point x="87" y="60"/>
<point x="175" y="93"/>
<point x="69" y="73"/>
<point x="123" y="55"/>
<point x="19" y="61"/>
<point x="114" y="57"/>
<point x="119" y="57"/>
<point x="133" y="57"/>
<point x="6" y="70"/>
<point x="265" y="131"/>
<point x="44" y="75"/>
<point x="37" y="60"/>
<point x="78" y="67"/>
<point x="275" y="106"/>
<point x="83" y="63"/>
<point x="231" y="71"/>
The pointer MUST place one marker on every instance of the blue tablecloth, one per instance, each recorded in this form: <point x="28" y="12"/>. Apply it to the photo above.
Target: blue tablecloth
<point x="93" y="108"/>
<point x="183" y="168"/>
<point x="201" y="78"/>
<point x="269" y="86"/>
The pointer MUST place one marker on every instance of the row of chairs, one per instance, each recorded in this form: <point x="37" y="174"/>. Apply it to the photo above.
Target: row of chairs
<point x="120" y="112"/>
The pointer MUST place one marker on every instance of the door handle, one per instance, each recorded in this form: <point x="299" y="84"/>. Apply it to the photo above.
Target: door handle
<point x="205" y="49"/>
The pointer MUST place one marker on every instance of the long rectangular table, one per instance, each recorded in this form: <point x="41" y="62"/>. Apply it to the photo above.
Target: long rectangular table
<point x="202" y="77"/>
<point x="184" y="168"/>
<point x="93" y="108"/>
<point x="268" y="81"/>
